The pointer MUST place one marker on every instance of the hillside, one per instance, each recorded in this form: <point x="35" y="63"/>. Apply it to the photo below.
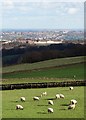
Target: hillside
<point x="44" y="64"/>
<point x="55" y="70"/>
<point x="32" y="54"/>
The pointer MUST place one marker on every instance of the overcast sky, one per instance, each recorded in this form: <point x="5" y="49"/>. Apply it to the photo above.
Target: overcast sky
<point x="42" y="14"/>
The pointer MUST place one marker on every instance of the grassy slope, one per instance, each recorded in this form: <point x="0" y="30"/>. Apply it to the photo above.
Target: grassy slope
<point x="43" y="64"/>
<point x="51" y="75"/>
<point x="46" y="75"/>
<point x="62" y="72"/>
<point x="38" y="109"/>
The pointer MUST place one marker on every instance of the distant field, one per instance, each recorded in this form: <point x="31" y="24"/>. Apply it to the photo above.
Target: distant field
<point x="38" y="109"/>
<point x="52" y="71"/>
<point x="44" y="64"/>
<point x="61" y="72"/>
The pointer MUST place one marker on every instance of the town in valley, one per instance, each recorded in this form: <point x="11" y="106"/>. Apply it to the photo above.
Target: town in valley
<point x="16" y="38"/>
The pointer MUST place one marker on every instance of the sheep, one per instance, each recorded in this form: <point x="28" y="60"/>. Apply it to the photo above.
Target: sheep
<point x="57" y="96"/>
<point x="62" y="96"/>
<point x="74" y="76"/>
<point x="35" y="98"/>
<point x="72" y="106"/>
<point x="22" y="99"/>
<point x="71" y="88"/>
<point x="50" y="110"/>
<point x="73" y="102"/>
<point x="19" y="107"/>
<point x="50" y="102"/>
<point x="44" y="93"/>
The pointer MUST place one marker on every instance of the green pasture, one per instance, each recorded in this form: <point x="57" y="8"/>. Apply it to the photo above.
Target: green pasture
<point x="44" y="64"/>
<point x="66" y="72"/>
<point x="38" y="109"/>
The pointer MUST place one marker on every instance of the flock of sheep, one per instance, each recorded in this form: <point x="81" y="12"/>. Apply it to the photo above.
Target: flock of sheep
<point x="71" y="105"/>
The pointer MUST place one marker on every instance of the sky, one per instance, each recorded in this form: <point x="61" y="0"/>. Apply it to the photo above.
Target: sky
<point x="41" y="14"/>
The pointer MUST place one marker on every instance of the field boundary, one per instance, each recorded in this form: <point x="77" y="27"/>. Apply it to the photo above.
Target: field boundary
<point x="43" y="68"/>
<point x="42" y="85"/>
<point x="44" y="64"/>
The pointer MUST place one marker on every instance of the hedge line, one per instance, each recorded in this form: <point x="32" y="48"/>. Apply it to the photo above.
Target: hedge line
<point x="42" y="85"/>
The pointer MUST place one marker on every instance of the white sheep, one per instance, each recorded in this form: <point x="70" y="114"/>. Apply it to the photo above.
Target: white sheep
<point x="44" y="93"/>
<point x="50" y="102"/>
<point x="19" y="107"/>
<point x="71" y="88"/>
<point x="74" y="76"/>
<point x="35" y="98"/>
<point x="62" y="96"/>
<point x="73" y="101"/>
<point x="57" y="96"/>
<point x="50" y="110"/>
<point x="22" y="99"/>
<point x="72" y="106"/>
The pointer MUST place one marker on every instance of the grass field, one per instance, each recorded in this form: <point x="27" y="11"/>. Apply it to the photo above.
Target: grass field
<point x="55" y="74"/>
<point x="38" y="109"/>
<point x="59" y="72"/>
<point x="47" y="71"/>
<point x="34" y="80"/>
<point x="44" y="64"/>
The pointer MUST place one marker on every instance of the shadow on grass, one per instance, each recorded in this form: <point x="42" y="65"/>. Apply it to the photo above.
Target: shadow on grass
<point x="41" y="112"/>
<point x="62" y="109"/>
<point x="64" y="104"/>
<point x="18" y="101"/>
<point x="39" y="96"/>
<point x="50" y="99"/>
<point x="42" y="105"/>
<point x="15" y="101"/>
<point x="66" y="90"/>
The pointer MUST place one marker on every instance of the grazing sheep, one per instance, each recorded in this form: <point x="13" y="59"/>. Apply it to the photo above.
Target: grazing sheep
<point x="22" y="99"/>
<point x="72" y="106"/>
<point x="57" y="96"/>
<point x="73" y="102"/>
<point x="44" y="93"/>
<point x="35" y="98"/>
<point x="71" y="88"/>
<point x="74" y="76"/>
<point x="19" y="107"/>
<point x="62" y="96"/>
<point x="50" y="102"/>
<point x="50" y="110"/>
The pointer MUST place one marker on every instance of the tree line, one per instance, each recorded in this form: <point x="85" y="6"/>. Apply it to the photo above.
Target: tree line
<point x="31" y="54"/>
